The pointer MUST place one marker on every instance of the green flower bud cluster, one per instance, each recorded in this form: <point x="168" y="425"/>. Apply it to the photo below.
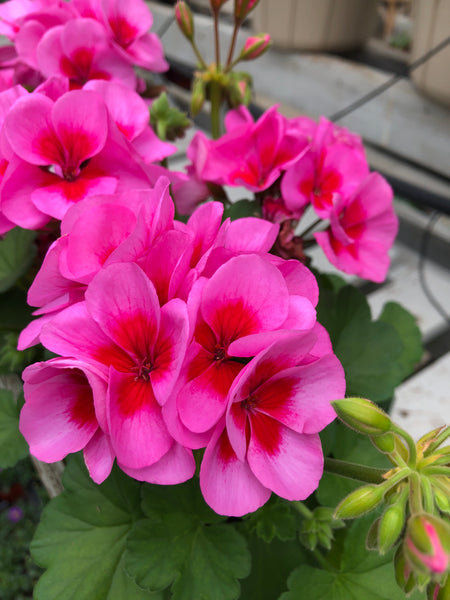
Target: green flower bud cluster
<point x="414" y="494"/>
<point x="167" y="121"/>
<point x="318" y="529"/>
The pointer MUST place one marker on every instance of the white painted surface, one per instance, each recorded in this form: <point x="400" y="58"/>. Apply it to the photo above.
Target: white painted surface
<point x="423" y="402"/>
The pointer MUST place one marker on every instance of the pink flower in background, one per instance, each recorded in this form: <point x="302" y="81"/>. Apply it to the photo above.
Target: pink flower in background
<point x="80" y="50"/>
<point x="362" y="230"/>
<point x="64" y="151"/>
<point x="269" y="439"/>
<point x="321" y="174"/>
<point x="252" y="155"/>
<point x="131" y="116"/>
<point x="129" y="24"/>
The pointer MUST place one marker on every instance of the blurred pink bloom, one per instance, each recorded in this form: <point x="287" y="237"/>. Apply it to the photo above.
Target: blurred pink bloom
<point x="362" y="230"/>
<point x="80" y="50"/>
<point x="427" y="544"/>
<point x="63" y="151"/>
<point x="252" y="154"/>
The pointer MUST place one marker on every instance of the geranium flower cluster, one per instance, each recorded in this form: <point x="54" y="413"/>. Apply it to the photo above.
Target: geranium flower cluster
<point x="175" y="337"/>
<point x="291" y="164"/>
<point x="80" y="39"/>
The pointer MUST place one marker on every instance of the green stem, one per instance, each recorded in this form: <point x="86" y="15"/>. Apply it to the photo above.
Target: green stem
<point x="216" y="101"/>
<point x="427" y="493"/>
<point x="354" y="471"/>
<point x="433" y="470"/>
<point x="198" y="55"/>
<point x="216" y="38"/>
<point x="302" y="509"/>
<point x="412" y="459"/>
<point x="310" y="228"/>
<point x="237" y="24"/>
<point x="322" y="560"/>
<point x="445" y="433"/>
<point x="415" y="494"/>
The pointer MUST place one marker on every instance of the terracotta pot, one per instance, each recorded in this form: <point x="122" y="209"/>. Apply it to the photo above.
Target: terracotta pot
<point x="324" y="25"/>
<point x="431" y="26"/>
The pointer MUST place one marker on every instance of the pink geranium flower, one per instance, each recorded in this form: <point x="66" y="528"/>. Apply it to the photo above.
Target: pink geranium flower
<point x="242" y="305"/>
<point x="362" y="230"/>
<point x="333" y="165"/>
<point x="269" y="439"/>
<point x="81" y="152"/>
<point x="80" y="50"/>
<point x="139" y="348"/>
<point x="253" y="154"/>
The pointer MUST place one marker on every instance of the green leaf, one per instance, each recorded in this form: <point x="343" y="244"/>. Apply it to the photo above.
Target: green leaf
<point x="183" y="544"/>
<point x="276" y="519"/>
<point x="405" y="325"/>
<point x="361" y="575"/>
<point x="242" y="208"/>
<point x="373" y="353"/>
<point x="81" y="538"/>
<point x="271" y="565"/>
<point x="13" y="447"/>
<point x="16" y="255"/>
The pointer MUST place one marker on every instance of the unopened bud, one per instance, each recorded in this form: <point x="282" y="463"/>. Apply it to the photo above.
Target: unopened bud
<point x="385" y="442"/>
<point x="391" y="525"/>
<point x="198" y="96"/>
<point x="359" y="502"/>
<point x="427" y="544"/>
<point x="405" y="578"/>
<point x="255" y="46"/>
<point x="184" y="19"/>
<point x="239" y="89"/>
<point x="442" y="500"/>
<point x="362" y="415"/>
<point x="242" y="8"/>
<point x="439" y="591"/>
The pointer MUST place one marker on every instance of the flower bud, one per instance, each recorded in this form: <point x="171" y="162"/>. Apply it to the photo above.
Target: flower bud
<point x="255" y="46"/>
<point x="362" y="415"/>
<point x="391" y="525"/>
<point x="242" y="8"/>
<point x="184" y="19"/>
<point x="442" y="500"/>
<point x="427" y="544"/>
<point x="405" y="578"/>
<point x="198" y="96"/>
<point x="439" y="591"/>
<point x="385" y="442"/>
<point x="359" y="502"/>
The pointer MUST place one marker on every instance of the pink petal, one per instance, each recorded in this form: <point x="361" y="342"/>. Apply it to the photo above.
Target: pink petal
<point x="73" y="332"/>
<point x="228" y="485"/>
<point x="29" y="129"/>
<point x="176" y="466"/>
<point x="246" y="295"/>
<point x="139" y="435"/>
<point x="288" y="463"/>
<point x="58" y="416"/>
<point x="123" y="302"/>
<point x="94" y="238"/>
<point x="80" y="119"/>
<point x="202" y="401"/>
<point x="251" y="235"/>
<point x="99" y="456"/>
<point x="170" y="348"/>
